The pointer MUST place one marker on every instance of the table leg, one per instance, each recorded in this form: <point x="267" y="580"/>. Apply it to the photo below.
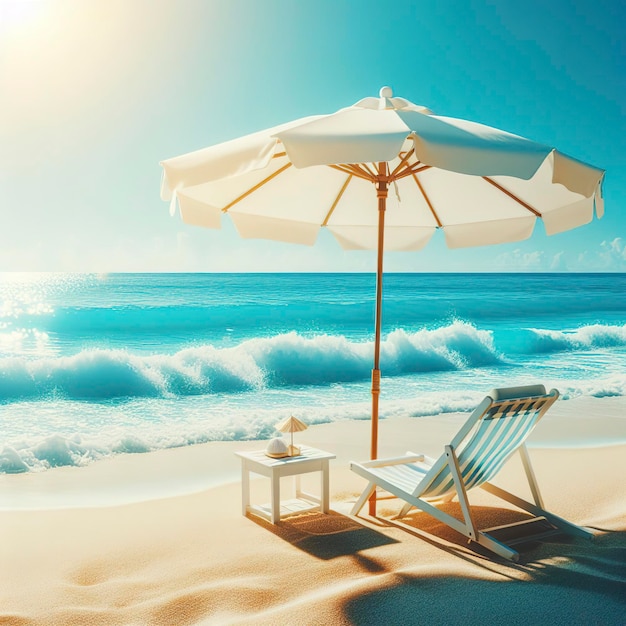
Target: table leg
<point x="298" y="485"/>
<point x="245" y="487"/>
<point x="275" y="495"/>
<point x="325" y="499"/>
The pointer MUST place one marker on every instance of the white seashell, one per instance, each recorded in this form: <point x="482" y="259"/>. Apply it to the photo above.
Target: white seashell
<point x="277" y="448"/>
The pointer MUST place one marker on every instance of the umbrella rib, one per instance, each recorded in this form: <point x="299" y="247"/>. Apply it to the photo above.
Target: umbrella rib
<point x="373" y="173"/>
<point x="352" y="171"/>
<point x="336" y="201"/>
<point x="257" y="186"/>
<point x="512" y="196"/>
<point x="412" y="170"/>
<point x="362" y="168"/>
<point x="428" y="202"/>
<point x="403" y="162"/>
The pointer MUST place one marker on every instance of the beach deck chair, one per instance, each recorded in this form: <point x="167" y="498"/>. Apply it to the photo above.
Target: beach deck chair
<point x="496" y="429"/>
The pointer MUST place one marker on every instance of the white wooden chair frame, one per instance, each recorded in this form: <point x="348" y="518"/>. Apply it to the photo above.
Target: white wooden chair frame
<point x="449" y="461"/>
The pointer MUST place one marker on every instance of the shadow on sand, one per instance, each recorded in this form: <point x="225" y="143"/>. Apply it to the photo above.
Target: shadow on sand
<point x="559" y="580"/>
<point x="327" y="535"/>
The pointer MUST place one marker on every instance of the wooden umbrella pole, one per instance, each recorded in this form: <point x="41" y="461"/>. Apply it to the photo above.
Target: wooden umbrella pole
<point x="381" y="187"/>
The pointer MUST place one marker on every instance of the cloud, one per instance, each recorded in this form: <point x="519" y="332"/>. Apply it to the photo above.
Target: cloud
<point x="558" y="262"/>
<point x="609" y="256"/>
<point x="518" y="260"/>
<point x="613" y="254"/>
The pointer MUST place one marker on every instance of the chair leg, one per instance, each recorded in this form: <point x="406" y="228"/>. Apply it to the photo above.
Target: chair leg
<point x="496" y="546"/>
<point x="530" y="475"/>
<point x="363" y="498"/>
<point x="453" y="464"/>
<point x="404" y="510"/>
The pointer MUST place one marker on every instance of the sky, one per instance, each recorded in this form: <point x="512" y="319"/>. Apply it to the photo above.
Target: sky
<point x="94" y="94"/>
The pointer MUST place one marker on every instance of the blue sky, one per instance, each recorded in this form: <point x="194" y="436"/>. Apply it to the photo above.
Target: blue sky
<point x="94" y="94"/>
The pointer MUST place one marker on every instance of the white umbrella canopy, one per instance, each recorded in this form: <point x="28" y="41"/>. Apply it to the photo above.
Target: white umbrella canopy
<point x="478" y="184"/>
<point x="383" y="174"/>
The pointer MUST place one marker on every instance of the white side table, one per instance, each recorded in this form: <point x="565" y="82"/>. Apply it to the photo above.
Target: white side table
<point x="310" y="460"/>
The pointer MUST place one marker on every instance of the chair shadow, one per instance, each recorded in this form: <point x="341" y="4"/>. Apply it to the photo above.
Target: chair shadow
<point x="575" y="583"/>
<point x="327" y="535"/>
<point x="446" y="538"/>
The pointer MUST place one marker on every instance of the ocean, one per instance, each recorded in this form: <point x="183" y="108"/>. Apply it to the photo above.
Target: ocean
<point x="96" y="365"/>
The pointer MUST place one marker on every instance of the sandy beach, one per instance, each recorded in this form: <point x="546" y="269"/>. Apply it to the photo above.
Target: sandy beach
<point x="159" y="538"/>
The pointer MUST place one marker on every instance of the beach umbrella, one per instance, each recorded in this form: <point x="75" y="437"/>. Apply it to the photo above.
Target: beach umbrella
<point x="383" y="174"/>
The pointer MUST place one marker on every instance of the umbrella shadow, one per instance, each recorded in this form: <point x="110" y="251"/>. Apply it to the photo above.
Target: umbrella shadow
<point x="328" y="536"/>
<point x="563" y="583"/>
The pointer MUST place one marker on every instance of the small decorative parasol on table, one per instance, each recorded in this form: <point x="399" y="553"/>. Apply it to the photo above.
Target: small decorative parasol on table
<point x="292" y="425"/>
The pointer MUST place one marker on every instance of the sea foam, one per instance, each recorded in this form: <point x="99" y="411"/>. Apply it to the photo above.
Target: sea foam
<point x="80" y="440"/>
<point x="87" y="432"/>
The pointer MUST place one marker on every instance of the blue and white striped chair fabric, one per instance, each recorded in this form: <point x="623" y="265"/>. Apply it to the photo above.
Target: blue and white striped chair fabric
<point x="499" y="432"/>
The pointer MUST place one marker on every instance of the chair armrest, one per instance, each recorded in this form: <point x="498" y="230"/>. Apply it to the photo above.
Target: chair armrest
<point x="399" y="460"/>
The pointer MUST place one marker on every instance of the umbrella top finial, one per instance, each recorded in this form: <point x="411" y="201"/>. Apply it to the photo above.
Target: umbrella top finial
<point x="386" y="101"/>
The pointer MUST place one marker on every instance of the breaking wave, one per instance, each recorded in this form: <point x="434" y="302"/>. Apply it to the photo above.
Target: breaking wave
<point x="610" y="387"/>
<point x="283" y="360"/>
<point x="591" y="337"/>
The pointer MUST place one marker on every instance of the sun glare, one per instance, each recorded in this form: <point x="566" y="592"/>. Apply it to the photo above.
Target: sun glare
<point x="15" y="13"/>
<point x="22" y="277"/>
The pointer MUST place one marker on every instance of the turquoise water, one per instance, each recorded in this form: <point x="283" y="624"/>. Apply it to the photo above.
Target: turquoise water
<point x="94" y="365"/>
